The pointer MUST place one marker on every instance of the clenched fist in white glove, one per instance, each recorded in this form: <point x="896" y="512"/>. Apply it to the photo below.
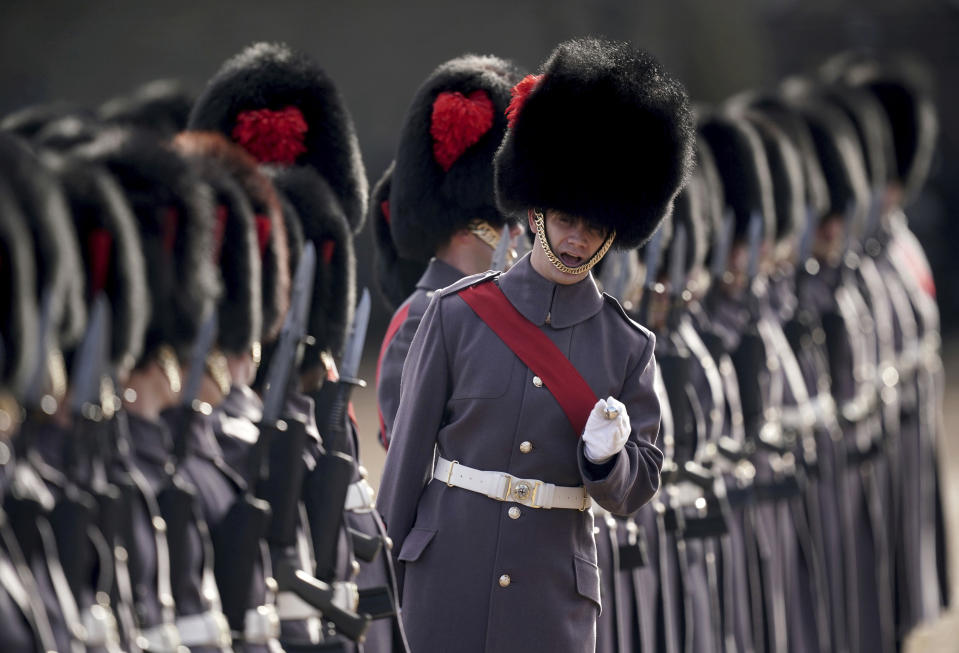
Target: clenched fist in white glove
<point x="607" y="430"/>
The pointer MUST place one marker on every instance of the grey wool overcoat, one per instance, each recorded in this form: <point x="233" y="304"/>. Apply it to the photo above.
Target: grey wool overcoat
<point x="466" y="395"/>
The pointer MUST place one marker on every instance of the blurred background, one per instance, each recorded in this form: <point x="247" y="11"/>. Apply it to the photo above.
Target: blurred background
<point x="379" y="52"/>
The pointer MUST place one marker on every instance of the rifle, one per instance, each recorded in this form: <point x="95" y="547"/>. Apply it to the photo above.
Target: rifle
<point x="501" y="252"/>
<point x="276" y="463"/>
<point x="178" y="500"/>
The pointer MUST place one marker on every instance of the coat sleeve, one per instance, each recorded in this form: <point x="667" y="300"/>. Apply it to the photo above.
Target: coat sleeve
<point x="630" y="479"/>
<point x="424" y="389"/>
<point x="388" y="388"/>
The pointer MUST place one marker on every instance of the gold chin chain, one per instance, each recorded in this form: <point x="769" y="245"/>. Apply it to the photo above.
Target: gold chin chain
<point x="219" y="371"/>
<point x="557" y="263"/>
<point x="485" y="232"/>
<point x="170" y="367"/>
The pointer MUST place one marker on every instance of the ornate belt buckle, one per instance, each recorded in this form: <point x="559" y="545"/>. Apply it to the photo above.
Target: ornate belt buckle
<point x="522" y="491"/>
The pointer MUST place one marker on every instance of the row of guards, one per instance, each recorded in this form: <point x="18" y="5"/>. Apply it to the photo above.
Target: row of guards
<point x="797" y="345"/>
<point x="181" y="336"/>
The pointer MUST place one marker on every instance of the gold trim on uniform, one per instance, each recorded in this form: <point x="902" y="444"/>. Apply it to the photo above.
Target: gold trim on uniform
<point x="170" y="367"/>
<point x="557" y="263"/>
<point x="219" y="371"/>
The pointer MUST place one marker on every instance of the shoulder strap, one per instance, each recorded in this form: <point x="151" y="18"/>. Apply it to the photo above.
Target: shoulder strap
<point x="534" y="348"/>
<point x="398" y="318"/>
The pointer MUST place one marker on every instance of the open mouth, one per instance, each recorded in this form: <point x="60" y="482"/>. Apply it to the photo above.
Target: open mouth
<point x="571" y="261"/>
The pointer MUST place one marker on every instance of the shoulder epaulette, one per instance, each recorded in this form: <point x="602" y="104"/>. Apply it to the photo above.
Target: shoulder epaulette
<point x="466" y="282"/>
<point x="612" y="301"/>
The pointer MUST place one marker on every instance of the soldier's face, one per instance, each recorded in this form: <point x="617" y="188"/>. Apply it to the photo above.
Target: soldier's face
<point x="573" y="241"/>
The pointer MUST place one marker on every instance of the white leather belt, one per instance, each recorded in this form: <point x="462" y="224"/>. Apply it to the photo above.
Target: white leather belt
<point x="359" y="497"/>
<point x="101" y="628"/>
<point x="208" y="628"/>
<point x="505" y="487"/>
<point x="261" y="625"/>
<point x="290" y="607"/>
<point x="159" y="639"/>
<point x="822" y="413"/>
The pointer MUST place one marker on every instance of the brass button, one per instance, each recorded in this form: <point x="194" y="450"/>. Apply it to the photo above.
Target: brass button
<point x="522" y="490"/>
<point x="514" y="513"/>
<point x="525" y="446"/>
<point x="538" y="382"/>
<point x="505" y="580"/>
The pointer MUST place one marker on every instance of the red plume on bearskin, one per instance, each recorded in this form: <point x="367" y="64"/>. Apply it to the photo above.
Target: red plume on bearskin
<point x="99" y="244"/>
<point x="272" y="136"/>
<point x="263" y="229"/>
<point x="385" y="208"/>
<point x="520" y="92"/>
<point x="459" y="121"/>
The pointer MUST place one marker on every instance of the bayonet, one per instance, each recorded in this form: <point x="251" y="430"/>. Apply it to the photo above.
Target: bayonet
<point x="677" y="262"/>
<point x="722" y="245"/>
<point x="289" y="343"/>
<point x="88" y="362"/>
<point x="808" y="235"/>
<point x="498" y="262"/>
<point x="754" y="237"/>
<point x="353" y="352"/>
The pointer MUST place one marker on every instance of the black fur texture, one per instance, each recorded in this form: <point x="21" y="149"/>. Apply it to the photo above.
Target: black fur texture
<point x="19" y="319"/>
<point x="161" y="106"/>
<point x="902" y="90"/>
<point x="183" y="284"/>
<point x="45" y="208"/>
<point x="334" y="287"/>
<point x="395" y="277"/>
<point x="98" y="202"/>
<point x="427" y="204"/>
<point x="607" y="135"/>
<point x="240" y="306"/>
<point x="272" y="76"/>
<point x="785" y="169"/>
<point x="841" y="159"/>
<point x="742" y="165"/>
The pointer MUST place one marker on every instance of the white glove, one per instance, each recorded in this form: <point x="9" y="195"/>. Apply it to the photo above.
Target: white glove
<point x="607" y="430"/>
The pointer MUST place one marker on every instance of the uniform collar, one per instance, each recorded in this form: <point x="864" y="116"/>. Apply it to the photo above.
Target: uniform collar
<point x="438" y="274"/>
<point x="536" y="297"/>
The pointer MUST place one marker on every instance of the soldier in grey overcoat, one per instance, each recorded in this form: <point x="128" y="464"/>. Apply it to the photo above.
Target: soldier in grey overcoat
<point x="512" y="567"/>
<point x="440" y="212"/>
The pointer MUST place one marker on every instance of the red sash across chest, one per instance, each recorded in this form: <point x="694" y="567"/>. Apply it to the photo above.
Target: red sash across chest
<point x="391" y="330"/>
<point x="535" y="349"/>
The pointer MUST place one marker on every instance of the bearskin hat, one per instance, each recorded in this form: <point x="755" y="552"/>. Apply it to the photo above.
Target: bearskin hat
<point x="786" y="171"/>
<point x="395" y="276"/>
<point x="903" y="91"/>
<point x="776" y="108"/>
<point x="161" y="106"/>
<point x="31" y="120"/>
<point x="44" y="206"/>
<point x="175" y="214"/>
<point x="604" y="133"/>
<point x="111" y="253"/>
<point x="334" y="287"/>
<point x="284" y="110"/>
<point x="270" y="227"/>
<point x="19" y="321"/>
<point x="443" y="175"/>
<point x="743" y="168"/>
<point x="872" y="129"/>
<point x="840" y="157"/>
<point x="236" y="249"/>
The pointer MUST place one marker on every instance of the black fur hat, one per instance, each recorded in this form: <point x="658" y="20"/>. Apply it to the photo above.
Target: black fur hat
<point x="334" y="286"/>
<point x="269" y="223"/>
<point x="743" y="168"/>
<point x="161" y="106"/>
<point x="394" y="275"/>
<point x="31" y="120"/>
<point x="235" y="248"/>
<point x="776" y="108"/>
<point x="111" y="253"/>
<point x="284" y="109"/>
<point x="786" y="171"/>
<point x="443" y="176"/>
<point x="840" y="157"/>
<point x="19" y="321"/>
<point x="904" y="93"/>
<point x="605" y="133"/>
<point x="44" y="206"/>
<point x="175" y="214"/>
<point x="867" y="117"/>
